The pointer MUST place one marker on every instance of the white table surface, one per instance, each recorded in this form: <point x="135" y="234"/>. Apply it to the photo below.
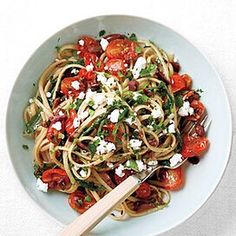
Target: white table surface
<point x="25" y="24"/>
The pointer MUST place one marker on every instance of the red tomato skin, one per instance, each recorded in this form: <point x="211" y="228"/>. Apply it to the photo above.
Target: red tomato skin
<point x="171" y="179"/>
<point x="177" y="82"/>
<point x="89" y="45"/>
<point x="84" y="205"/>
<point x="69" y="122"/>
<point x="121" y="49"/>
<point x="116" y="65"/>
<point x="57" y="179"/>
<point x="188" y="81"/>
<point x="194" y="146"/>
<point x="144" y="191"/>
<point x="199" y="110"/>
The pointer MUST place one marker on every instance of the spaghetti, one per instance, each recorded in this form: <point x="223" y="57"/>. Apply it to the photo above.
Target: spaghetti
<point x="106" y="109"/>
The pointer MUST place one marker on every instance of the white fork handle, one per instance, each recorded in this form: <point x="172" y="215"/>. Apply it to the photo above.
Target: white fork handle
<point x="84" y="223"/>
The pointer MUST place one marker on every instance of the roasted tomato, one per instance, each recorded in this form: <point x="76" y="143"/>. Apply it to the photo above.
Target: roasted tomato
<point x="56" y="129"/>
<point x="56" y="179"/>
<point x="144" y="191"/>
<point x="121" y="49"/>
<point x="92" y="60"/>
<point x="72" y="86"/>
<point x="81" y="202"/>
<point x="112" y="137"/>
<point x="119" y="179"/>
<point x="194" y="146"/>
<point x="70" y="122"/>
<point x="88" y="44"/>
<point x="171" y="179"/>
<point x="115" y="65"/>
<point x="112" y="37"/>
<point x="177" y="82"/>
<point x="188" y="81"/>
<point x="199" y="110"/>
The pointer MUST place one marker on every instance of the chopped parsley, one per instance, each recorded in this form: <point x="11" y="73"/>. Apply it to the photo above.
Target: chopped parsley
<point x="24" y="146"/>
<point x="149" y="70"/>
<point x="93" y="147"/>
<point x="138" y="49"/>
<point x="179" y="100"/>
<point x="88" y="198"/>
<point x="133" y="37"/>
<point x="33" y="124"/>
<point x="102" y="33"/>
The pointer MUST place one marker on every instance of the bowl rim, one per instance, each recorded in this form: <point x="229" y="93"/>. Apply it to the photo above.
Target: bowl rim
<point x="228" y="107"/>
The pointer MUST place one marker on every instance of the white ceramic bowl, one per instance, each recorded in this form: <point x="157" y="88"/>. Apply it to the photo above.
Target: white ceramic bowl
<point x="201" y="180"/>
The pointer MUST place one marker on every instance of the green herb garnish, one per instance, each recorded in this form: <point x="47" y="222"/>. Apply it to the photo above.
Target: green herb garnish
<point x="88" y="198"/>
<point x="149" y="70"/>
<point x="133" y="37"/>
<point x="101" y="33"/>
<point x="33" y="124"/>
<point x="24" y="146"/>
<point x="179" y="100"/>
<point x="138" y="49"/>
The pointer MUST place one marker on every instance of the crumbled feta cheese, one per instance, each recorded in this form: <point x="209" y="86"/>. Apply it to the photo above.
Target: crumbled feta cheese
<point x="119" y="171"/>
<point x="175" y="59"/>
<point x="130" y="120"/>
<point x="104" y="43"/>
<point x="141" y="165"/>
<point x="186" y="109"/>
<point x="61" y="113"/>
<point x="111" y="82"/>
<point x="76" y="122"/>
<point x="57" y="126"/>
<point x="83" y="115"/>
<point x="105" y="147"/>
<point x="135" y="143"/>
<point x="83" y="173"/>
<point x="75" y="85"/>
<point x="74" y="71"/>
<point x="126" y="65"/>
<point x="78" y="52"/>
<point x="48" y="94"/>
<point x="150" y="127"/>
<point x="152" y="163"/>
<point x="110" y="101"/>
<point x="81" y="95"/>
<point x="114" y="116"/>
<point x="89" y="67"/>
<point x="81" y="42"/>
<point x="31" y="100"/>
<point x="156" y="112"/>
<point x="175" y="159"/>
<point x="98" y="99"/>
<point x="41" y="186"/>
<point x="102" y="78"/>
<point x="139" y="65"/>
<point x="136" y="95"/>
<point x="171" y="127"/>
<point x="90" y="94"/>
<point x="110" y="165"/>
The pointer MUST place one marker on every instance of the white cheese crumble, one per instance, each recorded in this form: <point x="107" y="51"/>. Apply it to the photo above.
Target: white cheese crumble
<point x="186" y="109"/>
<point x="114" y="116"/>
<point x="31" y="100"/>
<point x="104" y="43"/>
<point x="81" y="95"/>
<point x="110" y="82"/>
<point x="75" y="85"/>
<point x="90" y="94"/>
<point x="110" y="165"/>
<point x="83" y="115"/>
<point x="81" y="42"/>
<point x="156" y="112"/>
<point x="104" y="147"/>
<point x="119" y="170"/>
<point x="171" y="127"/>
<point x="175" y="159"/>
<point x="102" y="78"/>
<point x="136" y="95"/>
<point x="83" y="173"/>
<point x="130" y="120"/>
<point x="41" y="186"/>
<point x="135" y="143"/>
<point x="76" y="122"/>
<point x="141" y="165"/>
<point x="61" y="113"/>
<point x="74" y="71"/>
<point x="98" y="99"/>
<point x="152" y="163"/>
<point x="89" y="67"/>
<point x="48" y="94"/>
<point x="139" y="65"/>
<point x="57" y="126"/>
<point x="110" y="101"/>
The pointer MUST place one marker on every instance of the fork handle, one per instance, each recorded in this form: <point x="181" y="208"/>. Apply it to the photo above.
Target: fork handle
<point x="84" y="223"/>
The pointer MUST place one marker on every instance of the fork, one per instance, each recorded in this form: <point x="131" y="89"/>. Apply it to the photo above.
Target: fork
<point x="84" y="223"/>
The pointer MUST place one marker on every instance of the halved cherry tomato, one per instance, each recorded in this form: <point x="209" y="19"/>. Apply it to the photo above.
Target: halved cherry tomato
<point x="69" y="122"/>
<point x="199" y="110"/>
<point x="194" y="146"/>
<point x="80" y="202"/>
<point x="107" y="179"/>
<point x="177" y="82"/>
<point x="112" y="37"/>
<point x="110" y="137"/>
<point x="92" y="59"/>
<point x="88" y="45"/>
<point x="121" y="49"/>
<point x="144" y="190"/>
<point x="53" y="135"/>
<point x="115" y="65"/>
<point x="171" y="179"/>
<point x="68" y="89"/>
<point x="119" y="179"/>
<point x="56" y="179"/>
